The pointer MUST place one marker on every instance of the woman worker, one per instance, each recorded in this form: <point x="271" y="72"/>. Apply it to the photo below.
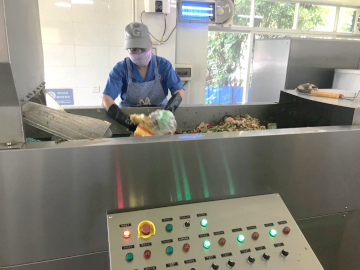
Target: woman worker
<point x="142" y="79"/>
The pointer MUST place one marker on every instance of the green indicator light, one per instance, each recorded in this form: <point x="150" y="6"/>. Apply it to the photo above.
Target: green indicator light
<point x="169" y="250"/>
<point x="273" y="232"/>
<point x="204" y="222"/>
<point x="241" y="238"/>
<point x="129" y="257"/>
<point x="169" y="228"/>
<point x="207" y="244"/>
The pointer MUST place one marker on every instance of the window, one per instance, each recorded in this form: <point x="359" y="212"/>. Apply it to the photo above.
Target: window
<point x="319" y="18"/>
<point x="242" y="12"/>
<point x="347" y="20"/>
<point x="274" y="14"/>
<point x="225" y="67"/>
<point x="230" y="51"/>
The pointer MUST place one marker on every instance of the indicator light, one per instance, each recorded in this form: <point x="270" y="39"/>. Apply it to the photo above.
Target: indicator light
<point x="126" y="233"/>
<point x="129" y="257"/>
<point x="186" y="247"/>
<point x="286" y="230"/>
<point x="147" y="254"/>
<point x="204" y="222"/>
<point x="255" y="236"/>
<point x="222" y="241"/>
<point x="273" y="232"/>
<point x="207" y="244"/>
<point x="169" y="250"/>
<point x="169" y="227"/>
<point x="241" y="238"/>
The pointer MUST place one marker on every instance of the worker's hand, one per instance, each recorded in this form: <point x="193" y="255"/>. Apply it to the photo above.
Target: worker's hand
<point x="119" y="116"/>
<point x="173" y="103"/>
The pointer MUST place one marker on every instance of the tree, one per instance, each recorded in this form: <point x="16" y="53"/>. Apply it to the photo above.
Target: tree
<point x="225" y="50"/>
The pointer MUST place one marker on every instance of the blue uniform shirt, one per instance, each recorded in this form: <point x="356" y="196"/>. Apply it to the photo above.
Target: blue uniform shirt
<point x="118" y="79"/>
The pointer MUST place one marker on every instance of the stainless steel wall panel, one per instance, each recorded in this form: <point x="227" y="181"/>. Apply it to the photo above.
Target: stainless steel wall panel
<point x="269" y="69"/>
<point x="54" y="205"/>
<point x="4" y="53"/>
<point x="25" y="46"/>
<point x="93" y="261"/>
<point x="315" y="60"/>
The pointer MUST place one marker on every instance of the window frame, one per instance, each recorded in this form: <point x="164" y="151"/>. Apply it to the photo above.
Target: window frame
<point x="294" y="32"/>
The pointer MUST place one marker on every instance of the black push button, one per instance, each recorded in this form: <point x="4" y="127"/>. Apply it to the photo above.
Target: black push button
<point x="231" y="263"/>
<point x="214" y="266"/>
<point x="266" y="257"/>
<point x="284" y="253"/>
<point x="251" y="260"/>
<point x="187" y="224"/>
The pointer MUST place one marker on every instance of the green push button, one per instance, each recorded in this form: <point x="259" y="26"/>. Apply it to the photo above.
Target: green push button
<point x="169" y="228"/>
<point x="169" y="250"/>
<point x="129" y="257"/>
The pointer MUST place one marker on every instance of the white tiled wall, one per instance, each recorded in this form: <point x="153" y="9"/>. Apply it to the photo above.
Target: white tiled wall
<point x="82" y="42"/>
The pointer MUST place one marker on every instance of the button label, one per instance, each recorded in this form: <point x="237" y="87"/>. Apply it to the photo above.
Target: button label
<point x="125" y="225"/>
<point x="210" y="257"/>
<point x="219" y="232"/>
<point x="282" y="222"/>
<point x="167" y="219"/>
<point x="260" y="248"/>
<point x="183" y="238"/>
<point x="166" y="241"/>
<point x="127" y="247"/>
<point x="185" y="217"/>
<point x="146" y="244"/>
<point x="226" y="254"/>
<point x="201" y="215"/>
<point x="150" y="268"/>
<point x="236" y="230"/>
<point x="269" y="224"/>
<point x="190" y="261"/>
<point x="251" y="227"/>
<point x="245" y="251"/>
<point x="203" y="235"/>
<point x="279" y="245"/>
<point x="172" y="264"/>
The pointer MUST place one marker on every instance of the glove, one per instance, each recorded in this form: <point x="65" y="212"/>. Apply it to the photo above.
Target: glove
<point x="123" y="119"/>
<point x="173" y="103"/>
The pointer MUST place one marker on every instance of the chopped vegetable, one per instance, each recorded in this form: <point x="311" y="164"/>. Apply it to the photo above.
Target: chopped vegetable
<point x="228" y="124"/>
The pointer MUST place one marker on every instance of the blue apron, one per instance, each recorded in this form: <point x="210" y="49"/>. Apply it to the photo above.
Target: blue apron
<point x="146" y="93"/>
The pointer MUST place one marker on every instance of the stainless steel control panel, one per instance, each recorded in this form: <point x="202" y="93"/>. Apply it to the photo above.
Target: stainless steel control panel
<point x="243" y="233"/>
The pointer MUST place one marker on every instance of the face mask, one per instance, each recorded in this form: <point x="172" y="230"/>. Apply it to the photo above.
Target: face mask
<point x="141" y="59"/>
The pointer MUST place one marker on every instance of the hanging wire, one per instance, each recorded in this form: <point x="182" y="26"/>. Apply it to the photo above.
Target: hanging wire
<point x="162" y="38"/>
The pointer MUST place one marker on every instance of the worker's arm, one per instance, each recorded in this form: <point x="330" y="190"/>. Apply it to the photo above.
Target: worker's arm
<point x="111" y="92"/>
<point x="181" y="92"/>
<point x="107" y="101"/>
<point x="175" y="85"/>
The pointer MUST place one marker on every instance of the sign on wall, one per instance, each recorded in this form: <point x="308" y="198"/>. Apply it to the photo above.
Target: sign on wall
<point x="62" y="96"/>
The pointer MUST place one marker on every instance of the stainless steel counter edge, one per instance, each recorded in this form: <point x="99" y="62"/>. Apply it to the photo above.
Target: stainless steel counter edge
<point x="183" y="137"/>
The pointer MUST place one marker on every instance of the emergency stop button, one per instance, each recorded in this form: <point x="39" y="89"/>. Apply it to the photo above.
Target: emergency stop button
<point x="145" y="229"/>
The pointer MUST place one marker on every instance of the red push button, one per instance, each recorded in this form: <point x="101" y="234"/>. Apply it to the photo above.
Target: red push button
<point x="186" y="247"/>
<point x="145" y="229"/>
<point x="222" y="241"/>
<point x="286" y="230"/>
<point x="147" y="254"/>
<point x="255" y="235"/>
